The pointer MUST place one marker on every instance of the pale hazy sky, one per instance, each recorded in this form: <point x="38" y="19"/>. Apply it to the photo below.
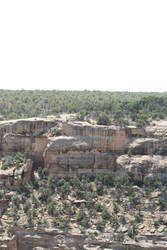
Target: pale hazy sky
<point x="83" y="44"/>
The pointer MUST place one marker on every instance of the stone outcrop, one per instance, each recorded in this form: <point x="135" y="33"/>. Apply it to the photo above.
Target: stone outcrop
<point x="83" y="149"/>
<point x="86" y="148"/>
<point x="52" y="238"/>
<point x="28" y="126"/>
<point x="12" y="177"/>
<point x="8" y="243"/>
<point x="140" y="166"/>
<point x="92" y="149"/>
<point x="13" y="143"/>
<point x="102" y="138"/>
<point x="26" y="135"/>
<point x="147" y="146"/>
<point x="72" y="155"/>
<point x="158" y="129"/>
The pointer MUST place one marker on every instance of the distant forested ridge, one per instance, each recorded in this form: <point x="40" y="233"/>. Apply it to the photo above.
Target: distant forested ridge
<point x="107" y="107"/>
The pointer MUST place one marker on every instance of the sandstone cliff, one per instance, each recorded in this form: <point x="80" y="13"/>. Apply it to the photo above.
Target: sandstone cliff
<point x="12" y="176"/>
<point x="92" y="149"/>
<point x="25" y="135"/>
<point x="82" y="149"/>
<point x="52" y="238"/>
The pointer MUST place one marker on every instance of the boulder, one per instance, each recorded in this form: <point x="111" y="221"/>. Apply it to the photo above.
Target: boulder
<point x="140" y="166"/>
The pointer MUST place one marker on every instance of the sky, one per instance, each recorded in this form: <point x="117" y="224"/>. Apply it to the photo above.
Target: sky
<point x="114" y="45"/>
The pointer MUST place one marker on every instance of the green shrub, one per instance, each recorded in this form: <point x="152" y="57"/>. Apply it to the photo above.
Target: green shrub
<point x="100" y="189"/>
<point x="29" y="217"/>
<point x="81" y="215"/>
<point x="98" y="207"/>
<point x="103" y="119"/>
<point x="34" y="213"/>
<point x="139" y="218"/>
<point x="5" y="166"/>
<point x="44" y="194"/>
<point x="133" y="198"/>
<point x="100" y="225"/>
<point x="105" y="214"/>
<point x="2" y="194"/>
<point x="26" y="206"/>
<point x="64" y="189"/>
<point x="162" y="203"/>
<point x="116" y="208"/>
<point x="51" y="207"/>
<point x="15" y="201"/>
<point x="85" y="222"/>
<point x="58" y="132"/>
<point x="114" y="221"/>
<point x="64" y="224"/>
<point x="129" y="152"/>
<point x="132" y="232"/>
<point x="81" y="115"/>
<point x="25" y="188"/>
<point x="55" y="221"/>
<point x="119" y="236"/>
<point x="43" y="172"/>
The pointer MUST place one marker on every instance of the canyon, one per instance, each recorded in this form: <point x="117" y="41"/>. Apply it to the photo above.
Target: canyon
<point x="81" y="148"/>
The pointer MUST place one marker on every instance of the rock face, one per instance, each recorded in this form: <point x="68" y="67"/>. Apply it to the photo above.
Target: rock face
<point x="25" y="135"/>
<point x="148" y="146"/>
<point x="140" y="166"/>
<point x="52" y="238"/>
<point x="12" y="177"/>
<point x="101" y="138"/>
<point x="72" y="155"/>
<point x="87" y="149"/>
<point x="93" y="149"/>
<point x="13" y="143"/>
<point x="8" y="243"/>
<point x="84" y="148"/>
<point x="27" y="126"/>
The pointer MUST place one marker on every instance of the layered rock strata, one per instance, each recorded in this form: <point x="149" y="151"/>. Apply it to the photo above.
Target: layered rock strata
<point x="52" y="238"/>
<point x="89" y="149"/>
<point x="142" y="166"/>
<point x="84" y="148"/>
<point x="28" y="126"/>
<point x="26" y="135"/>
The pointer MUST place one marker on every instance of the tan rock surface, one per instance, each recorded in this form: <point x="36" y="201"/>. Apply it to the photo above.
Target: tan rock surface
<point x="87" y="149"/>
<point x="12" y="177"/>
<point x="28" y="125"/>
<point x="143" y="165"/>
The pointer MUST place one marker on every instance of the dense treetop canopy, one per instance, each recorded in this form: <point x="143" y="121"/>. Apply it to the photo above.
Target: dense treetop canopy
<point x="119" y="106"/>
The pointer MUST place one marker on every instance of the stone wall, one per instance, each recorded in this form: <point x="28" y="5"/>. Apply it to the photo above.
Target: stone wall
<point x="89" y="163"/>
<point x="53" y="238"/>
<point x="99" y="137"/>
<point x="84" y="148"/>
<point x="87" y="149"/>
<point x="12" y="177"/>
<point x="27" y="125"/>
<point x="23" y="135"/>
<point x="13" y="143"/>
